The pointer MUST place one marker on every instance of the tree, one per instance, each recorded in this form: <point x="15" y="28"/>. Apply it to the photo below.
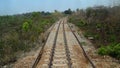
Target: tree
<point x="68" y="11"/>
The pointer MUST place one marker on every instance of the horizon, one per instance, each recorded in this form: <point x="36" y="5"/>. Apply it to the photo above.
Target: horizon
<point x="12" y="7"/>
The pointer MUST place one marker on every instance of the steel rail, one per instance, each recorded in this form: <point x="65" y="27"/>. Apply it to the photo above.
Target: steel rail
<point x="41" y="51"/>
<point x="67" y="49"/>
<point x="82" y="48"/>
<point x="53" y="48"/>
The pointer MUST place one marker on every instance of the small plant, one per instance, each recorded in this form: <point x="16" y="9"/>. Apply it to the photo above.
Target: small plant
<point x="112" y="50"/>
<point x="102" y="51"/>
<point x="25" y="26"/>
<point x="116" y="51"/>
<point x="83" y="43"/>
<point x="81" y="23"/>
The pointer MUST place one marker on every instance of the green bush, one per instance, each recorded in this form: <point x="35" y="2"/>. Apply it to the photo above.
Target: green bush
<point x="81" y="23"/>
<point x="97" y="36"/>
<point x="98" y="25"/>
<point x="116" y="51"/>
<point x="102" y="51"/>
<point x="88" y="34"/>
<point x="112" y="50"/>
<point x="25" y="26"/>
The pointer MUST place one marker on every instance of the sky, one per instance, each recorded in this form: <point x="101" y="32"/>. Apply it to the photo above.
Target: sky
<point x="9" y="7"/>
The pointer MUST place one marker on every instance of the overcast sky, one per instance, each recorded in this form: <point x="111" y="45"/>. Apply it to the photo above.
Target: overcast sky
<point x="23" y="6"/>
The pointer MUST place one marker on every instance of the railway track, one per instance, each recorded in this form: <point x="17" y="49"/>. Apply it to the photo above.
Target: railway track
<point x="62" y="49"/>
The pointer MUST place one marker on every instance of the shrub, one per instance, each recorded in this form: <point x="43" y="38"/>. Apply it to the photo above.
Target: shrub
<point x="112" y="50"/>
<point x="102" y="51"/>
<point x="81" y="23"/>
<point x="25" y="26"/>
<point x="116" y="51"/>
<point x="89" y="34"/>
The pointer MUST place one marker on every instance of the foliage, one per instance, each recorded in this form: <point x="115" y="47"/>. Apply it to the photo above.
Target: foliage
<point x="25" y="26"/>
<point x="68" y="11"/>
<point x="102" y="51"/>
<point x="81" y="23"/>
<point x="102" y="23"/>
<point x="112" y="50"/>
<point x="19" y="33"/>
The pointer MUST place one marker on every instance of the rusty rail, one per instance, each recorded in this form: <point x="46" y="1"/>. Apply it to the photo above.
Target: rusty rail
<point x="85" y="54"/>
<point x="41" y="51"/>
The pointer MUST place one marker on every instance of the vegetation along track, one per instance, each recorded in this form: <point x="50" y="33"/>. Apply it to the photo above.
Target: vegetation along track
<point x="62" y="49"/>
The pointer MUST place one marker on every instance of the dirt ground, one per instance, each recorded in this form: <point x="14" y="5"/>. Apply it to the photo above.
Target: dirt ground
<point x="27" y="61"/>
